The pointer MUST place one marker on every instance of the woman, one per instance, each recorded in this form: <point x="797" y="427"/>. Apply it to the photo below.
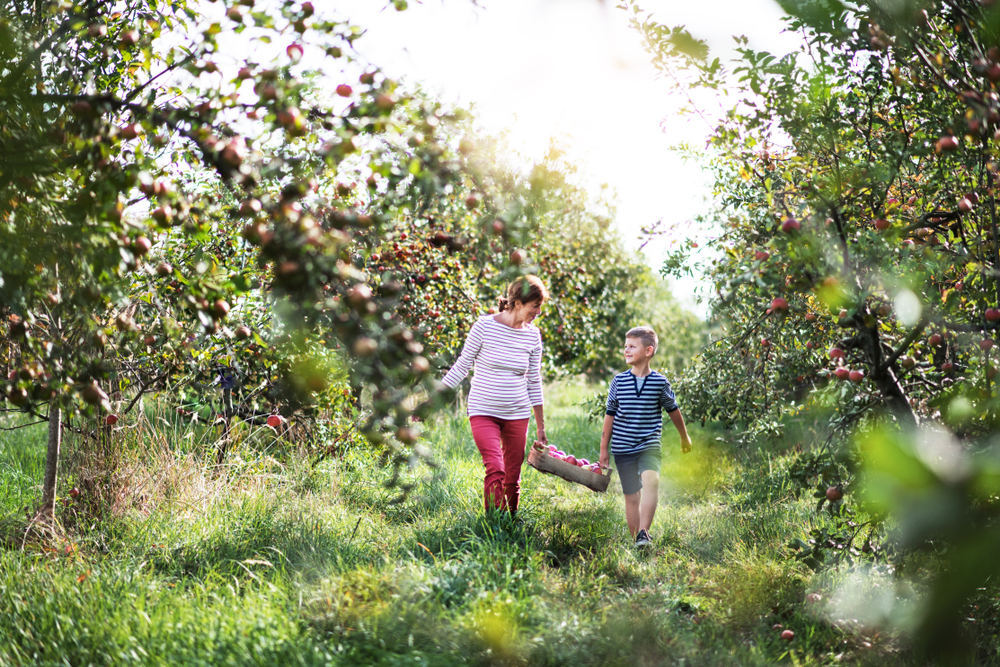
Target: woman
<point x="506" y="387"/>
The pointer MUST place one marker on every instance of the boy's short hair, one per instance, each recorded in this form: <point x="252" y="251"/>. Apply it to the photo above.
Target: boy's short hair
<point x="646" y="335"/>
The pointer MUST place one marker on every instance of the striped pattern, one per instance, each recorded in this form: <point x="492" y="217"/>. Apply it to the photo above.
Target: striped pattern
<point x="507" y="380"/>
<point x="638" y="413"/>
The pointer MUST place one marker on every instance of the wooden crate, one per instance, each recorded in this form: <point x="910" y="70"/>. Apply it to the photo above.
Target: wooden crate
<point x="540" y="460"/>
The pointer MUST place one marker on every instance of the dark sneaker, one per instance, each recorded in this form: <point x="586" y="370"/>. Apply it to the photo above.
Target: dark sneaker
<point x="643" y="539"/>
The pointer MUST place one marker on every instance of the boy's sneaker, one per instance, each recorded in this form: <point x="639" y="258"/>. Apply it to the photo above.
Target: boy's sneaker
<point x="643" y="539"/>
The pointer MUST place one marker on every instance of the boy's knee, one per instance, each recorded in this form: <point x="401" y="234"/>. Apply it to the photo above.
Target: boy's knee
<point x="632" y="498"/>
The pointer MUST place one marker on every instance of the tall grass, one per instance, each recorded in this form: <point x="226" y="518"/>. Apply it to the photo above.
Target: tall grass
<point x="269" y="561"/>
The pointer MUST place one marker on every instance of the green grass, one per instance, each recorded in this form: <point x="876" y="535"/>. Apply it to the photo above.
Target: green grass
<point x="272" y="563"/>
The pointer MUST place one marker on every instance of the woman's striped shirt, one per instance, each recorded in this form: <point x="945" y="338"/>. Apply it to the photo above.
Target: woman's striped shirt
<point x="507" y="380"/>
<point x="638" y="412"/>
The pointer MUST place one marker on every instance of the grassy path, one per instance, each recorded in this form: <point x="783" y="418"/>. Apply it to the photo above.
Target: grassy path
<point x="285" y="565"/>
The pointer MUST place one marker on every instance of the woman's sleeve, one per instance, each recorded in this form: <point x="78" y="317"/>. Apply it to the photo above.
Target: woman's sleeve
<point x="473" y="344"/>
<point x="535" y="375"/>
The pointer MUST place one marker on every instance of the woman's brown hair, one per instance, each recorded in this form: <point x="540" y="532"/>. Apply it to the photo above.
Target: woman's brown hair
<point x="525" y="289"/>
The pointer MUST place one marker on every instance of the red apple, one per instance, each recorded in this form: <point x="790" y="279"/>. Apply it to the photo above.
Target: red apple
<point x="947" y="143"/>
<point x="583" y="462"/>
<point x="836" y="353"/>
<point x="295" y="52"/>
<point x="274" y="421"/>
<point x="964" y="205"/>
<point x="857" y="376"/>
<point x="777" y="626"/>
<point x="810" y="317"/>
<point x="779" y="304"/>
<point x="842" y="373"/>
<point x="761" y="255"/>
<point x="947" y="367"/>
<point x="986" y="344"/>
<point x="882" y="224"/>
<point x="765" y="342"/>
<point x="344" y="90"/>
<point x="111" y="419"/>
<point x="908" y="362"/>
<point x="809" y="345"/>
<point x="834" y="493"/>
<point x="843" y="313"/>
<point x="74" y="492"/>
<point x="935" y="339"/>
<point x="571" y="459"/>
<point x="891" y="202"/>
<point x="141" y="246"/>
<point x="788" y="635"/>
<point x="992" y="314"/>
<point x="790" y="225"/>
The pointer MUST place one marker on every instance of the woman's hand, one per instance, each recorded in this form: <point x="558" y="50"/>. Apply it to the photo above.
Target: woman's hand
<point x="542" y="438"/>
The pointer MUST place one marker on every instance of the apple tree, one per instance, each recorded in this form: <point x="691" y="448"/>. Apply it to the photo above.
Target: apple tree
<point x="136" y="135"/>
<point x="855" y="267"/>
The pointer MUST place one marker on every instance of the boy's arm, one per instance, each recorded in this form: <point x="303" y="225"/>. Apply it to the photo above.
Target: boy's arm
<point x="678" y="419"/>
<point x="609" y="422"/>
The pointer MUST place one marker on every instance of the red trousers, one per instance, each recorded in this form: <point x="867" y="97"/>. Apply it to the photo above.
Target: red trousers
<point x="501" y="443"/>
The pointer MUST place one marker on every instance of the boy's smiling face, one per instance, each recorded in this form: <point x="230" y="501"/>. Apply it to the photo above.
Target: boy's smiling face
<point x="635" y="352"/>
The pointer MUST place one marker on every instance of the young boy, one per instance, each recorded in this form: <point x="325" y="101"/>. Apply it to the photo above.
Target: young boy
<point x="633" y="426"/>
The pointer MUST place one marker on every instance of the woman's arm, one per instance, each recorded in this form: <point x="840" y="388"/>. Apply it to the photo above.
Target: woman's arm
<point x="534" y="381"/>
<point x="540" y="424"/>
<point x="473" y="344"/>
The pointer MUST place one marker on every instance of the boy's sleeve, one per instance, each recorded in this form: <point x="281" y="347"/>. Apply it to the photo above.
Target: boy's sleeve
<point x="612" y="406"/>
<point x="667" y="399"/>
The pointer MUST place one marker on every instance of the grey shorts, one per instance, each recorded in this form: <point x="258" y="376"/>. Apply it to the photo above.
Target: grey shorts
<point x="631" y="467"/>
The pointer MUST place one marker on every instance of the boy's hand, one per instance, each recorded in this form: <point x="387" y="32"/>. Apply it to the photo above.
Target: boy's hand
<point x="604" y="461"/>
<point x="685" y="445"/>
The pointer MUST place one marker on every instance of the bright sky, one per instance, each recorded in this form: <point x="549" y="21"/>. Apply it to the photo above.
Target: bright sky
<point x="573" y="70"/>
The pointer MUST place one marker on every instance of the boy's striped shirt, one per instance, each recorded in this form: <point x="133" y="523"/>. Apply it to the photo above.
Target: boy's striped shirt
<point x="508" y="380"/>
<point x="638" y="412"/>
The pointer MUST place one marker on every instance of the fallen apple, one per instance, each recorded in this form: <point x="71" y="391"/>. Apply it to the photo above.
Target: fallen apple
<point x="111" y="419"/>
<point x="788" y="635"/>
<point x="274" y="421"/>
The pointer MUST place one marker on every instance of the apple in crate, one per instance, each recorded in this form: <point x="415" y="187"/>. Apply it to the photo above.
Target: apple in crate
<point x="583" y="463"/>
<point x="595" y="467"/>
<point x="570" y="460"/>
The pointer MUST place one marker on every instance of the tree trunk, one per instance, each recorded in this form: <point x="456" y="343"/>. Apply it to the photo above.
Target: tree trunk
<point x="52" y="460"/>
<point x="885" y="379"/>
<point x="227" y="403"/>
